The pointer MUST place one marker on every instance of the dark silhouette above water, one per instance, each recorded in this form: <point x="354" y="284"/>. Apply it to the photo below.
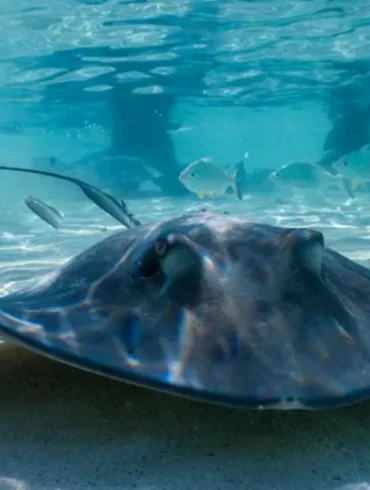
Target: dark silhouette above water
<point x="140" y="129"/>
<point x="139" y="118"/>
<point x="350" y="119"/>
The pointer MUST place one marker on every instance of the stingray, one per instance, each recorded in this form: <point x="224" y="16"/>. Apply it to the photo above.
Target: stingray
<point x="207" y="306"/>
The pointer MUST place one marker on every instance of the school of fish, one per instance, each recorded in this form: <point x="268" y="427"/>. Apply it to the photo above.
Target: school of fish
<point x="207" y="179"/>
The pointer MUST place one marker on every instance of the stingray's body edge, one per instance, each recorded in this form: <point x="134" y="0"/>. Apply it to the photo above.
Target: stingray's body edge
<point x="288" y="403"/>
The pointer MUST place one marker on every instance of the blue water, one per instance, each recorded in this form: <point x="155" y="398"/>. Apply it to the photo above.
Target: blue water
<point x="122" y="93"/>
<point x="223" y="78"/>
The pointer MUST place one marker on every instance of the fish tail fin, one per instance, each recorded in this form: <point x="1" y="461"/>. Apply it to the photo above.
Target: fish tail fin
<point x="239" y="193"/>
<point x="347" y="185"/>
<point x="237" y="189"/>
<point x="236" y="186"/>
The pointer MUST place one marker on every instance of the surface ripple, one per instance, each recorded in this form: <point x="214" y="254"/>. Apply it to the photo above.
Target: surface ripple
<point x="233" y="50"/>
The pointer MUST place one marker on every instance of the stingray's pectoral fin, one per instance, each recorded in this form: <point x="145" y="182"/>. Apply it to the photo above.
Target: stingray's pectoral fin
<point x="62" y="325"/>
<point x="112" y="325"/>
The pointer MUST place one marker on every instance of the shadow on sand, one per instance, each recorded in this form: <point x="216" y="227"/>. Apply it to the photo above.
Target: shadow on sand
<point x="63" y="428"/>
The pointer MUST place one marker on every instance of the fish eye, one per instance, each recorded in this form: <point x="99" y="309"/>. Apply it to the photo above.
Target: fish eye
<point x="345" y="163"/>
<point x="193" y="174"/>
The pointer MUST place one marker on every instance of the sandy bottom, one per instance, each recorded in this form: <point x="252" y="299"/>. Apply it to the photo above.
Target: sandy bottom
<point x="61" y="428"/>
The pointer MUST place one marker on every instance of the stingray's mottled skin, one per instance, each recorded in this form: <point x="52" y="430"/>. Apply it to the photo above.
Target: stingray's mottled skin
<point x="208" y="306"/>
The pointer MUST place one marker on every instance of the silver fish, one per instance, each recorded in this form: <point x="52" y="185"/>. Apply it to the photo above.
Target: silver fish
<point x="205" y="178"/>
<point x="109" y="204"/>
<point x="307" y="176"/>
<point x="44" y="211"/>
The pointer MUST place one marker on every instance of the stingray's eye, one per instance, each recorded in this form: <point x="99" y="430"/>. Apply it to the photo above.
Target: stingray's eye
<point x="345" y="163"/>
<point x="277" y="174"/>
<point x="161" y="248"/>
<point x="171" y="266"/>
<point x="193" y="174"/>
<point x="149" y="265"/>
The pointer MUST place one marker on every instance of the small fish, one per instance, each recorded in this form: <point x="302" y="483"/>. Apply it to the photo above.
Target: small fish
<point x="109" y="204"/>
<point x="305" y="175"/>
<point x="44" y="211"/>
<point x="240" y="176"/>
<point x="206" y="179"/>
<point x="355" y="166"/>
<point x="121" y="158"/>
